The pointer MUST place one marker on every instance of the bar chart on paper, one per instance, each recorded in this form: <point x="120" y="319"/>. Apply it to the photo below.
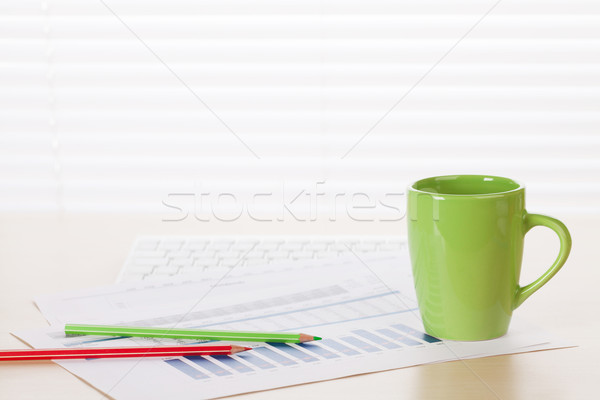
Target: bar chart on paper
<point x="366" y="326"/>
<point x="358" y="342"/>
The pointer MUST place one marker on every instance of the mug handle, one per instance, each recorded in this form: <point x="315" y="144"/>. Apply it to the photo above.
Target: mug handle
<point x="561" y="230"/>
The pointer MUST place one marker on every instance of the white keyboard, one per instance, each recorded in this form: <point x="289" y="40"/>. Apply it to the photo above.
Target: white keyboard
<point x="157" y="257"/>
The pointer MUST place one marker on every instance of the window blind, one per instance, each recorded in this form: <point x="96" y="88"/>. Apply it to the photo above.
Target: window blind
<point x="115" y="105"/>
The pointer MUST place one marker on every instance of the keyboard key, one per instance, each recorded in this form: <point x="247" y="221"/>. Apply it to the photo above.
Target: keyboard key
<point x="204" y="254"/>
<point x="273" y="241"/>
<point x="292" y="246"/>
<point x="277" y="254"/>
<point x="266" y="246"/>
<point x="196" y="245"/>
<point x="275" y="260"/>
<point x="326" y="241"/>
<point x="316" y="246"/>
<point x="180" y="254"/>
<point x="301" y="254"/>
<point x="255" y="261"/>
<point x="206" y="262"/>
<point x="224" y="241"/>
<point x="170" y="245"/>
<point x="182" y="262"/>
<point x="371" y="241"/>
<point x="255" y="254"/>
<point x="147" y="245"/>
<point x="339" y="247"/>
<point x="364" y="247"/>
<point x="219" y="246"/>
<point x="165" y="269"/>
<point x="229" y="254"/>
<point x="327" y="254"/>
<point x="389" y="246"/>
<point x="244" y="246"/>
<point x="150" y="261"/>
<point x="189" y="270"/>
<point x="248" y="241"/>
<point x="229" y="262"/>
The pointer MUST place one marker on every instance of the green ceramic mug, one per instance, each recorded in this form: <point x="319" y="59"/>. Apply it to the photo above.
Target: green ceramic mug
<point x="465" y="235"/>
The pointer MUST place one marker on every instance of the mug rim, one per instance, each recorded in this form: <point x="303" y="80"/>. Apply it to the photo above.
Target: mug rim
<point x="519" y="187"/>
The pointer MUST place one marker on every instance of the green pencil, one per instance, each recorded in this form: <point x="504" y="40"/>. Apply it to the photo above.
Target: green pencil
<point x="197" y="334"/>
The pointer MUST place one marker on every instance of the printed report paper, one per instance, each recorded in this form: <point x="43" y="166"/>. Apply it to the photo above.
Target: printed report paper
<point x="364" y="309"/>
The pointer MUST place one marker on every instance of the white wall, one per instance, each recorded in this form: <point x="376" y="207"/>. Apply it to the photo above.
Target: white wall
<point x="115" y="105"/>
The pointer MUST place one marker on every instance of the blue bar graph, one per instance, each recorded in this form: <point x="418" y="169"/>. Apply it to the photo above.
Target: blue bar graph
<point x="273" y="355"/>
<point x="360" y="344"/>
<point x="187" y="369"/>
<point x="413" y="332"/>
<point x="233" y="363"/>
<point x="376" y="339"/>
<point x="321" y="351"/>
<point x="339" y="347"/>
<point x="256" y="361"/>
<point x="398" y="337"/>
<point x="294" y="352"/>
<point x="208" y="365"/>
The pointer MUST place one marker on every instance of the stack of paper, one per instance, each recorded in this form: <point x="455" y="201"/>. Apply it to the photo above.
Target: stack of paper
<point x="364" y="309"/>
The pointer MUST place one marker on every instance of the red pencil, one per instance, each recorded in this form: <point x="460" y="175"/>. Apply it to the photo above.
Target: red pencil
<point x="114" y="352"/>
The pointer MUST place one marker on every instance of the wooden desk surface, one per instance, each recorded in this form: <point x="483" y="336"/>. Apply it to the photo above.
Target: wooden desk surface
<point x="51" y="253"/>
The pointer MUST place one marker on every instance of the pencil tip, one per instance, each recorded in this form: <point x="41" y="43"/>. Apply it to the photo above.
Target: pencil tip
<point x="307" y="338"/>
<point x="238" y="349"/>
